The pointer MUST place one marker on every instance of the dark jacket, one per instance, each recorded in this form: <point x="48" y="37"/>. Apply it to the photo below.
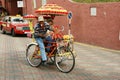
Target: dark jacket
<point x="38" y="30"/>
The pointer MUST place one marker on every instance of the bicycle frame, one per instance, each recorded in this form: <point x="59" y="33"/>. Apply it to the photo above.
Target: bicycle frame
<point x="53" y="47"/>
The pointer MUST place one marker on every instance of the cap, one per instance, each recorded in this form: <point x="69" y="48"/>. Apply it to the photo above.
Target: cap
<point x="40" y="18"/>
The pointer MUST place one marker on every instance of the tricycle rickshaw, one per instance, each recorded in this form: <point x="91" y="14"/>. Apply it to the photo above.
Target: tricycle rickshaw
<point x="61" y="50"/>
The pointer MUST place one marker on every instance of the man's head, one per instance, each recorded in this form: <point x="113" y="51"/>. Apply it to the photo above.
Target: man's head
<point x="50" y="21"/>
<point x="41" y="20"/>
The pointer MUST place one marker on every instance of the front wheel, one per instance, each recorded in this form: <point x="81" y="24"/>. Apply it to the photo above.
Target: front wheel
<point x="64" y="60"/>
<point x="13" y="33"/>
<point x="3" y="31"/>
<point x="29" y="55"/>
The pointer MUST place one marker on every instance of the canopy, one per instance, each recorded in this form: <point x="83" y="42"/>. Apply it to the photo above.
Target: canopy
<point x="51" y="9"/>
<point x="29" y="17"/>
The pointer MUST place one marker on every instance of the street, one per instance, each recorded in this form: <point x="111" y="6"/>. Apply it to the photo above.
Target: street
<point x="92" y="63"/>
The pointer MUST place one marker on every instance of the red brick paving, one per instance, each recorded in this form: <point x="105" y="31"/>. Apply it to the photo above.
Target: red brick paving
<point x="92" y="63"/>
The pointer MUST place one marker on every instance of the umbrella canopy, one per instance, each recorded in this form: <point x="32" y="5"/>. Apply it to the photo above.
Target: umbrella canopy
<point x="29" y="17"/>
<point x="51" y="9"/>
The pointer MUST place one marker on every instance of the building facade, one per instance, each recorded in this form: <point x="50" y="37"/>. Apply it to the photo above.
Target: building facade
<point x="12" y="6"/>
<point x="96" y="24"/>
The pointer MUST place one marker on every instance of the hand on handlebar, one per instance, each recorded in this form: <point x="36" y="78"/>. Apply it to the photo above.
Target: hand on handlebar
<point x="42" y="35"/>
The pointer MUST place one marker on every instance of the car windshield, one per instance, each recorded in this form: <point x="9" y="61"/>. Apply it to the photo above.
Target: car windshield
<point x="18" y="19"/>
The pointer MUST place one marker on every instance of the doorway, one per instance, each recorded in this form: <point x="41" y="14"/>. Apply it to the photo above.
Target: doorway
<point x="14" y="7"/>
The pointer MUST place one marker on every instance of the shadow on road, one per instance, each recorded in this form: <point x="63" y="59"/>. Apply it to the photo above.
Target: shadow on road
<point x="17" y="35"/>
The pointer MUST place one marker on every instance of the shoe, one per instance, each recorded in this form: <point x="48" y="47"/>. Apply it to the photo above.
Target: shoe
<point x="45" y="63"/>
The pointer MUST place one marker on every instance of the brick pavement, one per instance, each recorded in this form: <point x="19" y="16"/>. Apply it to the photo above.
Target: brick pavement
<point x="92" y="63"/>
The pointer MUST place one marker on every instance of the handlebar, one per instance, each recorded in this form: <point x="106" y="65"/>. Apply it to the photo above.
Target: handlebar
<point x="62" y="28"/>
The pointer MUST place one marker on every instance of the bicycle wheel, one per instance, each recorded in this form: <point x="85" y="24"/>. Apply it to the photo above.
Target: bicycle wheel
<point x="71" y="47"/>
<point x="64" y="60"/>
<point x="53" y="59"/>
<point x="34" y="62"/>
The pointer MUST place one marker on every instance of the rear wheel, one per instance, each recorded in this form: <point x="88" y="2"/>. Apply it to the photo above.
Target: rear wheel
<point x="29" y="55"/>
<point x="64" y="60"/>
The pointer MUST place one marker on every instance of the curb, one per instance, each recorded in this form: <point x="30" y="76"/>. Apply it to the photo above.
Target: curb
<point x="88" y="45"/>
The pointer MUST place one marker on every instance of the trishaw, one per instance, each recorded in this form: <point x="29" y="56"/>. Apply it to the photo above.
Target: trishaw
<point x="61" y="50"/>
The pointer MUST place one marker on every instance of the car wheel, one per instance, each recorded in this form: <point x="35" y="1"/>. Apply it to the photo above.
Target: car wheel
<point x="1" y="28"/>
<point x="13" y="33"/>
<point x="3" y="31"/>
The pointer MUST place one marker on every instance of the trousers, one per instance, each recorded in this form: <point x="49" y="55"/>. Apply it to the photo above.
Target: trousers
<point x="42" y="48"/>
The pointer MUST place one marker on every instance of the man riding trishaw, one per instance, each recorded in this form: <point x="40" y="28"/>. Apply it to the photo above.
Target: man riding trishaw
<point x="50" y="44"/>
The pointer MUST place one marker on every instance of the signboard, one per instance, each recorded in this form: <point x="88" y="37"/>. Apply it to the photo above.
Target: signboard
<point x="19" y="4"/>
<point x="70" y="17"/>
<point x="44" y="2"/>
<point x="69" y="21"/>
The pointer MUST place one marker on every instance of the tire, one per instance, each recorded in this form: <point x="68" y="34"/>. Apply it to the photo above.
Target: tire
<point x="0" y="27"/>
<point x="64" y="60"/>
<point x="52" y="59"/>
<point x="13" y="33"/>
<point x="71" y="47"/>
<point x="3" y="31"/>
<point x="29" y="56"/>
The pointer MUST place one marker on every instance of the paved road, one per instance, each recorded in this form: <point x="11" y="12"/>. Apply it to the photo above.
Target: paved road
<point x="92" y="63"/>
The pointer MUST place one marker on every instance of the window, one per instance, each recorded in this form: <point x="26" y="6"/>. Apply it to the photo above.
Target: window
<point x="19" y="4"/>
<point x="93" y="11"/>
